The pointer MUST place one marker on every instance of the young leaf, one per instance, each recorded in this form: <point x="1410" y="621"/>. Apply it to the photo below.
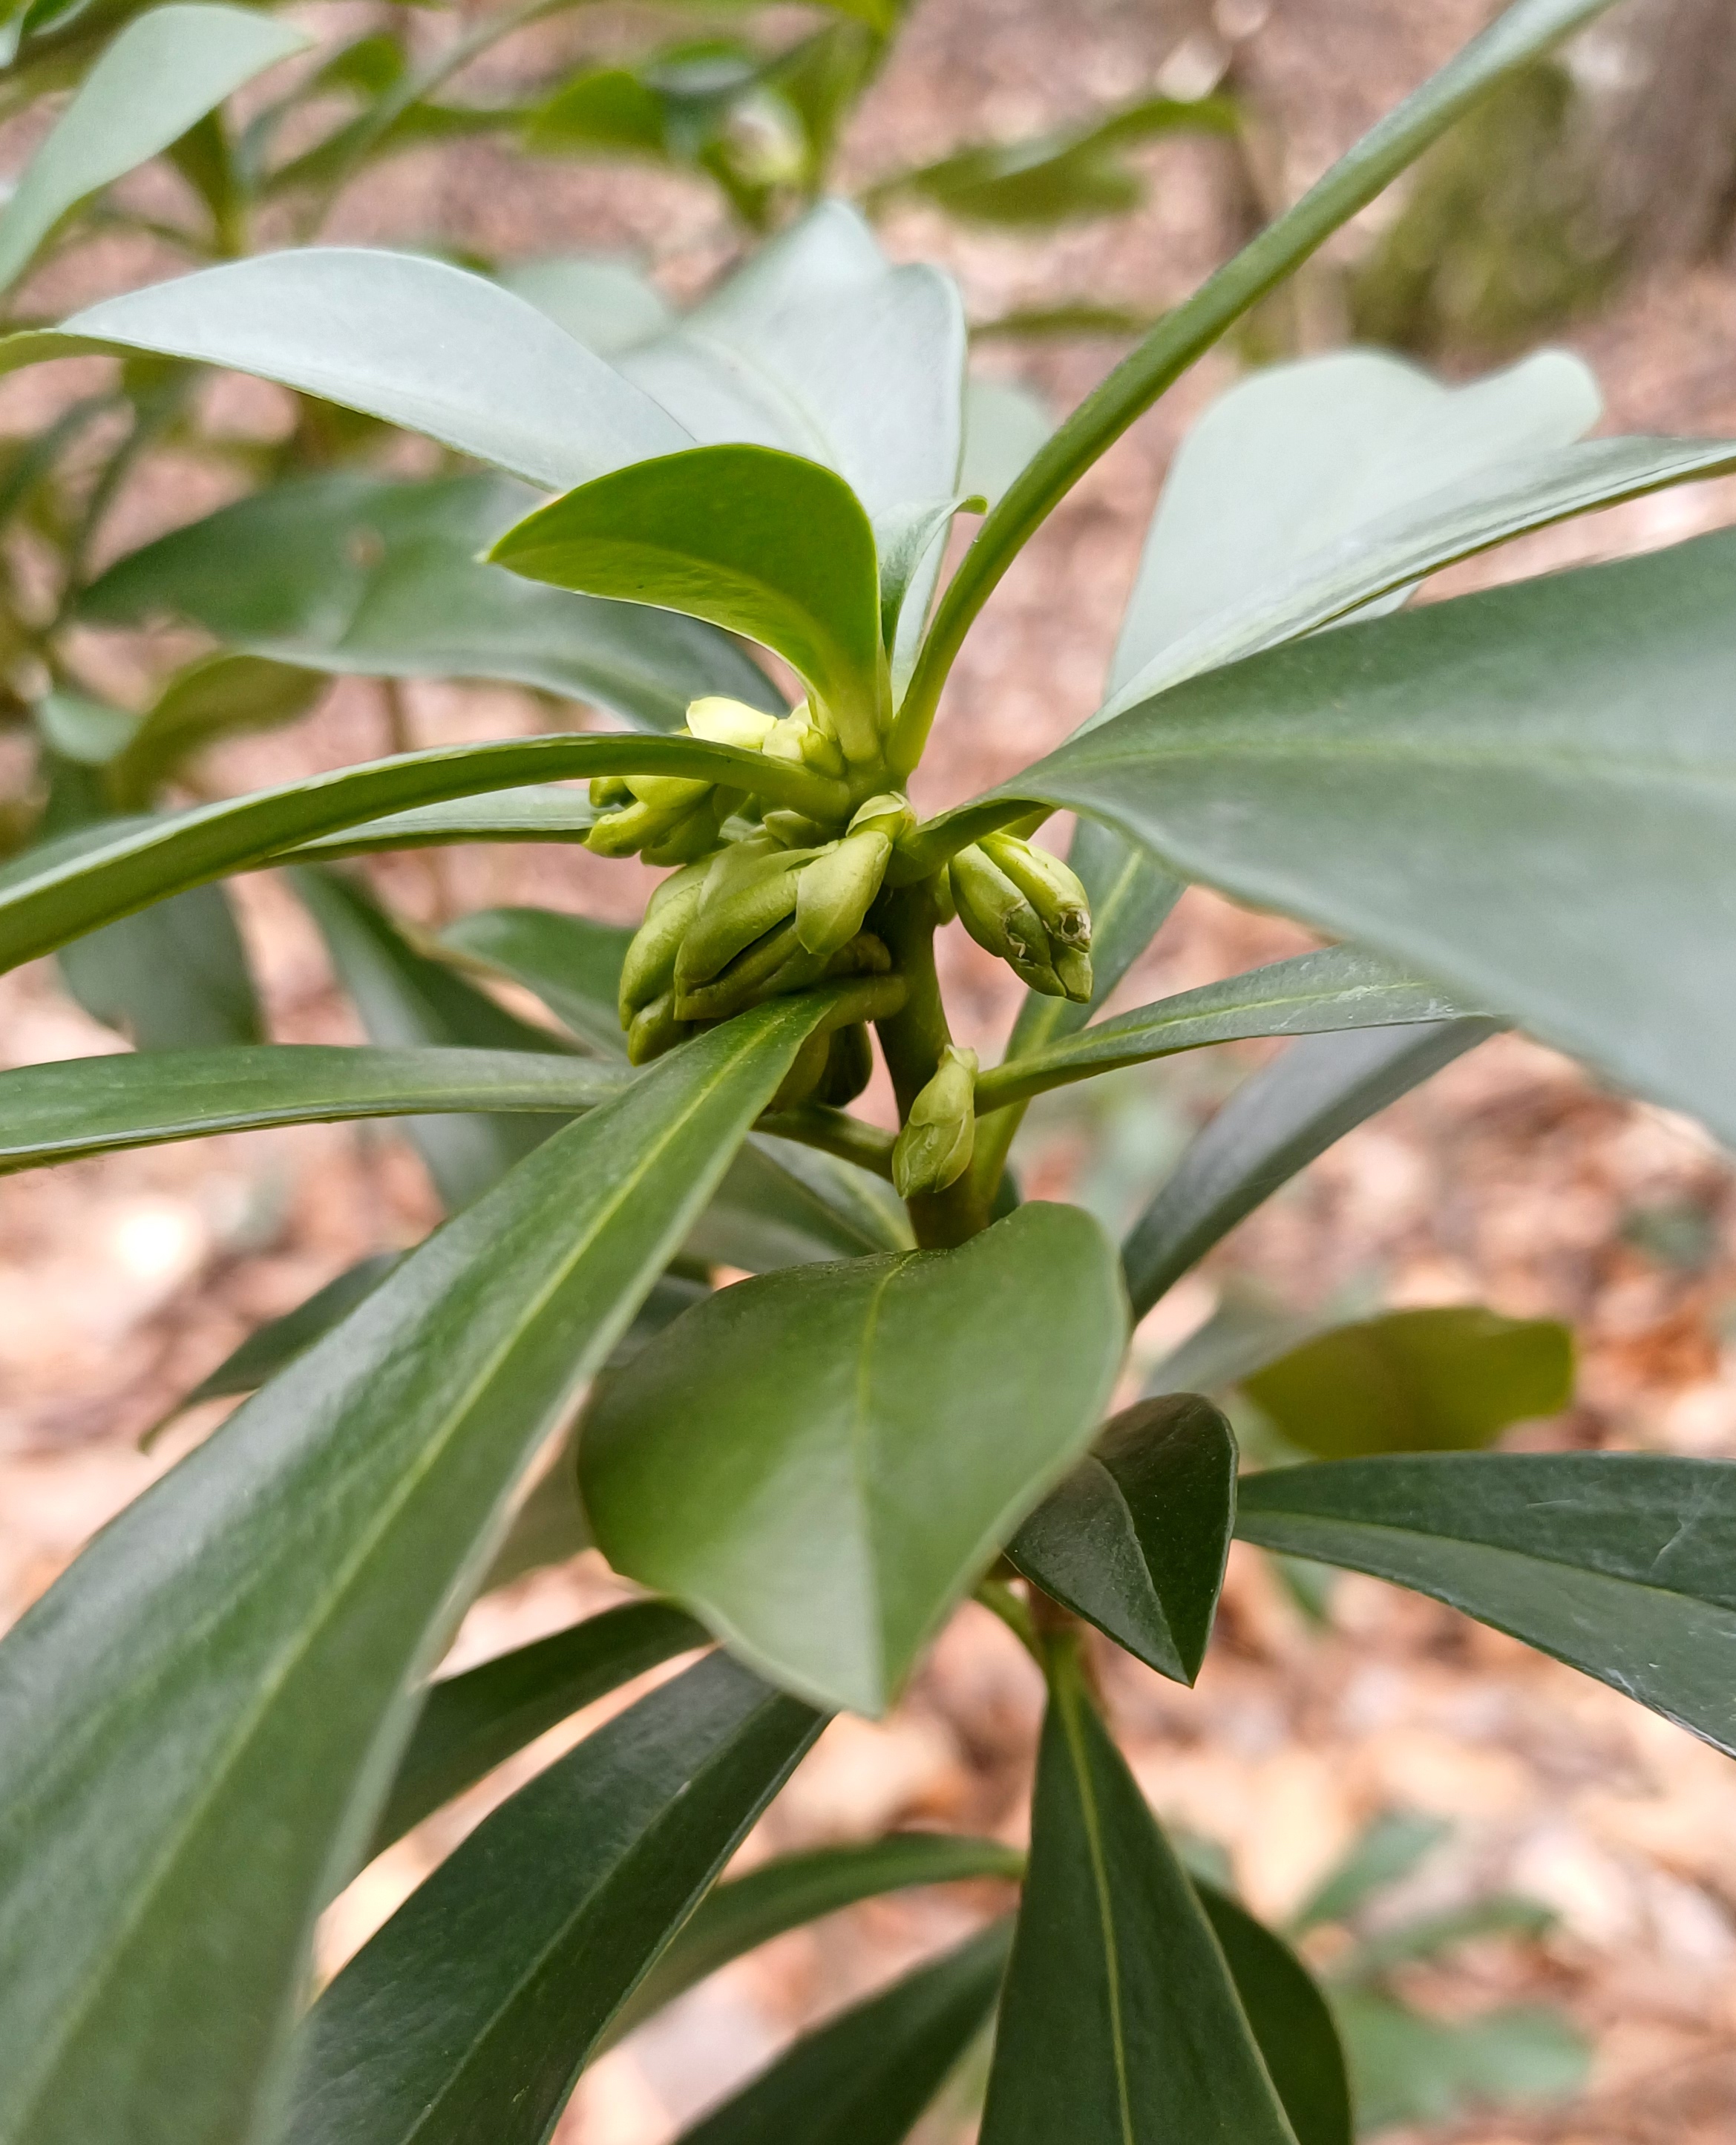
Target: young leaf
<point x="1136" y="1538"/>
<point x="1120" y="2020"/>
<point x="1491" y="789"/>
<point x="772" y="1460"/>
<point x="796" y="1889"/>
<point x="163" y="73"/>
<point x="1341" y="987"/>
<point x="759" y="542"/>
<point x="865" y="2078"/>
<point x="1275" y="1124"/>
<point x="171" y="977"/>
<point x="175" y="1809"/>
<point x="470" y="1722"/>
<point x="1616" y="1563"/>
<point x="572" y="963"/>
<point x="353" y="573"/>
<point x="1444" y="1380"/>
<point x="49" y="897"/>
<point x="58" y="1112"/>
<point x="551" y="1910"/>
<point x="400" y="336"/>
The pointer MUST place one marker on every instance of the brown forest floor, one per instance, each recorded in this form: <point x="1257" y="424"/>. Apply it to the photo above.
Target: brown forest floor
<point x="1511" y="1180"/>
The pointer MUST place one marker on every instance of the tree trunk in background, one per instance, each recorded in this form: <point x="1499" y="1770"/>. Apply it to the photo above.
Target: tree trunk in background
<point x="1661" y="76"/>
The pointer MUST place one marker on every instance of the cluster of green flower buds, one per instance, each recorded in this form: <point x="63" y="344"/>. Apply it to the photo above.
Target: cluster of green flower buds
<point x="1024" y="904"/>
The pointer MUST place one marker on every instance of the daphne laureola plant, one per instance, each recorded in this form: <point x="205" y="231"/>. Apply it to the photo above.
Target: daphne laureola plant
<point x="1507" y="809"/>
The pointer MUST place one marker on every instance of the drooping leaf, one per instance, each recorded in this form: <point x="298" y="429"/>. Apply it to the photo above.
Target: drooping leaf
<point x="348" y="573"/>
<point x="470" y="1722"/>
<point x="1120" y="2020"/>
<point x="175" y="1809"/>
<point x="220" y="696"/>
<point x="1441" y="1380"/>
<point x="405" y="1000"/>
<point x="771" y="1460"/>
<point x="540" y="812"/>
<point x="573" y="963"/>
<point x="865" y="2078"/>
<point x="58" y="1112"/>
<point x="400" y="336"/>
<point x="1136" y="1538"/>
<point x="796" y="1889"/>
<point x="266" y="1351"/>
<point x="759" y="542"/>
<point x="555" y="1906"/>
<point x="1276" y="1123"/>
<point x="822" y="347"/>
<point x="1409" y="2068"/>
<point x="1292" y="2022"/>
<point x="1491" y="789"/>
<point x="162" y="74"/>
<point x="49" y="897"/>
<point x="1341" y="987"/>
<point x="1618" y="1564"/>
<point x="171" y="977"/>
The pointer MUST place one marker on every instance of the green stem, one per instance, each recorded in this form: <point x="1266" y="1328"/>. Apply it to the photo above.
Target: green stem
<point x="1184" y="335"/>
<point x="834" y="1131"/>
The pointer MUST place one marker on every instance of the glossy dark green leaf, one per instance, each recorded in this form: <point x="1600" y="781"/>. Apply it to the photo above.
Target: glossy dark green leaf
<point x="865" y="2078"/>
<point x="573" y="963"/>
<point x="1443" y="1379"/>
<point x="348" y="573"/>
<point x="401" y="336"/>
<point x="1491" y="789"/>
<point x="783" y="1205"/>
<point x="1619" y="1564"/>
<point x="407" y="999"/>
<point x="1291" y="2024"/>
<point x="58" y="1112"/>
<point x="266" y="1350"/>
<point x="470" y="1722"/>
<point x="46" y="899"/>
<point x="1136" y="1538"/>
<point x="1341" y="988"/>
<point x="472" y="2012"/>
<point x="1131" y="894"/>
<point x="177" y="1808"/>
<point x="162" y="74"/>
<point x="1275" y="1124"/>
<point x="796" y="1889"/>
<point x="759" y="542"/>
<point x="774" y="1460"/>
<point x="1119" y="2022"/>
<point x="171" y="977"/>
<point x="1409" y="2068"/>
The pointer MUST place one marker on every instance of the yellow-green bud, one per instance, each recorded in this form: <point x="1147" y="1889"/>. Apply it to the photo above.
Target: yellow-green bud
<point x="750" y="887"/>
<point x="1001" y="920"/>
<point x="834" y="892"/>
<point x="890" y="814"/>
<point x="649" y="967"/>
<point x="610" y="791"/>
<point x="1073" y="968"/>
<point x="794" y="830"/>
<point x="655" y="1029"/>
<point x="696" y="834"/>
<point x="795" y="738"/>
<point x="722" y="721"/>
<point x="748" y="978"/>
<point x="934" y="1148"/>
<point x="669" y="791"/>
<point x="1052" y="889"/>
<point x="625" y="833"/>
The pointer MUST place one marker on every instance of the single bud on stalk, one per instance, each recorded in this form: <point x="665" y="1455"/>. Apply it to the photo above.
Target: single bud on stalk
<point x="1001" y="917"/>
<point x="934" y="1148"/>
<point x="834" y="892"/>
<point x="1051" y="887"/>
<point x="649" y="967"/>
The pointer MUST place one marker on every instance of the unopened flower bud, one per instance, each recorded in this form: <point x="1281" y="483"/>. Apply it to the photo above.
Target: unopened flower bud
<point x="610" y="791"/>
<point x="696" y="834"/>
<point x="625" y="832"/>
<point x="654" y="1029"/>
<point x="934" y="1148"/>
<point x="1073" y="968"/>
<point x="890" y="813"/>
<point x="833" y="894"/>
<point x="649" y="967"/>
<point x="722" y="721"/>
<point x="1052" y="889"/>
<point x="794" y="830"/>
<point x="753" y="974"/>
<point x="1001" y="920"/>
<point x="750" y="886"/>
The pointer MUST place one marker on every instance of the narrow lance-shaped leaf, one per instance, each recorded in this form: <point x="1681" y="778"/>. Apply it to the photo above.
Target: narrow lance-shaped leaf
<point x="177" y="1809"/>
<point x="396" y="334"/>
<point x="1136" y="1538"/>
<point x="1342" y="988"/>
<point x="163" y="72"/>
<point x="355" y="574"/>
<point x="45" y="901"/>
<point x="1120" y="2020"/>
<point x="1619" y="1564"/>
<point x="761" y="543"/>
<point x="771" y="1459"/>
<point x="865" y="2078"/>
<point x="470" y="1722"/>
<point x="572" y="962"/>
<point x="555" y="1905"/>
<point x="540" y="812"/>
<point x="1275" y="1124"/>
<point x="171" y="977"/>
<point x="1444" y="1378"/>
